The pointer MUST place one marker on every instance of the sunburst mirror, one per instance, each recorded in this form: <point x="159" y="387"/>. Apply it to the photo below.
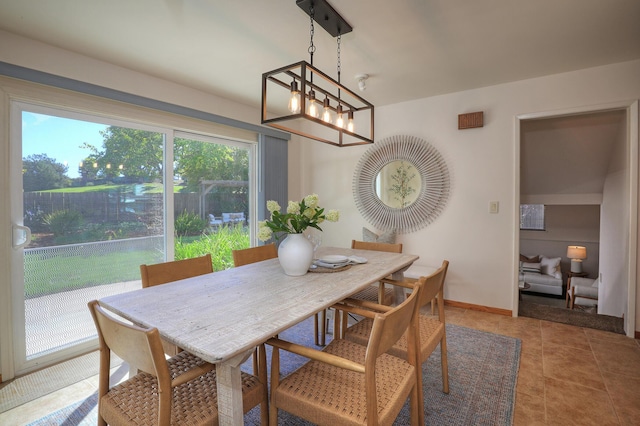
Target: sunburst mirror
<point x="401" y="183"/>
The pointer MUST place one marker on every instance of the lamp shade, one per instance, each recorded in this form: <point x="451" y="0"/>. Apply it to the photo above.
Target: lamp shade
<point x="576" y="252"/>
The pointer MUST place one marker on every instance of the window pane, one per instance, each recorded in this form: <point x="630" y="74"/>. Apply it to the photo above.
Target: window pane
<point x="93" y="198"/>
<point x="532" y="217"/>
<point x="211" y="198"/>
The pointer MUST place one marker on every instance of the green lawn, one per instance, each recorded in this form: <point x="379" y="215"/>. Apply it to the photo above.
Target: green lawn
<point x="53" y="274"/>
<point x="149" y="188"/>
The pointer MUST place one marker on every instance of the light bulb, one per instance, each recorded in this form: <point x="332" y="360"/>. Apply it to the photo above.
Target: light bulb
<point x="313" y="111"/>
<point x="350" y="121"/>
<point x="294" y="100"/>
<point x="339" y="119"/>
<point x="326" y="115"/>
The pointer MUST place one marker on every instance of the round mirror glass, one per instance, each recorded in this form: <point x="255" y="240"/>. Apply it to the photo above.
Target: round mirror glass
<point x="398" y="184"/>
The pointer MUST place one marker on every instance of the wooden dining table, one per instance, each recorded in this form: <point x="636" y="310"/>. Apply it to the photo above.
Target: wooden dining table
<point x="221" y="317"/>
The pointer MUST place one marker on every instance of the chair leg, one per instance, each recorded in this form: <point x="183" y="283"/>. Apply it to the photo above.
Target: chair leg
<point x="417" y="412"/>
<point x="337" y="314"/>
<point x="419" y="394"/>
<point x="344" y="325"/>
<point x="275" y="382"/>
<point x="444" y="364"/>
<point x="256" y="362"/>
<point x="573" y="297"/>
<point x="262" y="375"/>
<point x="323" y="326"/>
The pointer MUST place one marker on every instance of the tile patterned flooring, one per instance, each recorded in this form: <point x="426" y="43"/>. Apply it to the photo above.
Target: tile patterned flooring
<point x="568" y="375"/>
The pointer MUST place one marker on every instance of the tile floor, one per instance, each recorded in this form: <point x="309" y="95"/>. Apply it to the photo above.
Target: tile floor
<point x="568" y="375"/>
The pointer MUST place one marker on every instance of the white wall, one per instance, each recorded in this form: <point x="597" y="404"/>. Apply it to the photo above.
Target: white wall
<point x="612" y="292"/>
<point x="482" y="162"/>
<point x="42" y="57"/>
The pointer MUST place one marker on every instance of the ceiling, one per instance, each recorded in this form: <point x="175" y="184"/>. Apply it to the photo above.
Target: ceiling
<point x="570" y="155"/>
<point x="411" y="49"/>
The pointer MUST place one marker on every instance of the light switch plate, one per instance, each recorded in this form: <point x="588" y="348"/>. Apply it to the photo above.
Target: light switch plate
<point x="493" y="206"/>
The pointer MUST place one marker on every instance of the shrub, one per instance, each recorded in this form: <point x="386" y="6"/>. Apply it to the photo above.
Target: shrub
<point x="190" y="224"/>
<point x="63" y="222"/>
<point x="220" y="245"/>
<point x="34" y="219"/>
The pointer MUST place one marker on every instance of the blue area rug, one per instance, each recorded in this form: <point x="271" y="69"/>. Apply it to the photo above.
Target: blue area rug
<point x="483" y="369"/>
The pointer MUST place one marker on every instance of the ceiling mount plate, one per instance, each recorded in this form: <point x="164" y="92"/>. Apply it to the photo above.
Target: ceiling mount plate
<point x="326" y="16"/>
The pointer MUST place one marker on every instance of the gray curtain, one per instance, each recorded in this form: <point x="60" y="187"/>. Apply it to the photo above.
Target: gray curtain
<point x="273" y="173"/>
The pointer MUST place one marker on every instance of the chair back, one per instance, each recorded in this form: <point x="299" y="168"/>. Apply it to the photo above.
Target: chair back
<point x="389" y="327"/>
<point x="137" y="346"/>
<point x="140" y="347"/>
<point x="375" y="246"/>
<point x="166" y="272"/>
<point x="254" y="254"/>
<point x="433" y="285"/>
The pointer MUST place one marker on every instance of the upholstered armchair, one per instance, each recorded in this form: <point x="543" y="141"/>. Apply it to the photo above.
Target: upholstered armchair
<point x="582" y="291"/>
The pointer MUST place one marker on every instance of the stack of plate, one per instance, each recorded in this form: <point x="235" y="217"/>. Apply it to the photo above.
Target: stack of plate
<point x="334" y="261"/>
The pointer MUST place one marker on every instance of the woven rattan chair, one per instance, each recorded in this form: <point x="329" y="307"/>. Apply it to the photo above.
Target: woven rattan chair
<point x="162" y="273"/>
<point x="378" y="293"/>
<point x="347" y="383"/>
<point x="254" y="254"/>
<point x="429" y="330"/>
<point x="178" y="391"/>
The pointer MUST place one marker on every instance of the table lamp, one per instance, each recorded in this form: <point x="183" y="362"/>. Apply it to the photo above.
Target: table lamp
<point x="576" y="254"/>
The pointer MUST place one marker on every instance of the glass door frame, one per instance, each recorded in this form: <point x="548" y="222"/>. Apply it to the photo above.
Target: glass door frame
<point x="18" y="363"/>
<point x="108" y="105"/>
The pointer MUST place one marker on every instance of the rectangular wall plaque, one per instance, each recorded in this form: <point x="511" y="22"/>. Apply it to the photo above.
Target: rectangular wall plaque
<point x="471" y="120"/>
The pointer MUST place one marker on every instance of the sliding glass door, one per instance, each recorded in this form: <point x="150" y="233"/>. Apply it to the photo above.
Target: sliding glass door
<point x="87" y="209"/>
<point x="91" y="199"/>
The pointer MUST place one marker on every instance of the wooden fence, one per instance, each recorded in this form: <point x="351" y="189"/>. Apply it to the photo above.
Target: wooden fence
<point x="101" y="207"/>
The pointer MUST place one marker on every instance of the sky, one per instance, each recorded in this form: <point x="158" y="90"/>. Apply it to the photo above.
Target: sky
<point x="59" y="138"/>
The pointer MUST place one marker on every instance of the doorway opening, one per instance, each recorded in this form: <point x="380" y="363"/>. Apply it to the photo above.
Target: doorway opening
<point x="584" y="157"/>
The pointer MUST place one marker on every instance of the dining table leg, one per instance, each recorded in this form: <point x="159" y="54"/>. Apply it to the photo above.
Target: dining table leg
<point x="399" y="294"/>
<point x="230" y="412"/>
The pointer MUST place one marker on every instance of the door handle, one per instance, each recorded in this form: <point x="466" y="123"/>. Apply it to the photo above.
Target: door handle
<point x="21" y="236"/>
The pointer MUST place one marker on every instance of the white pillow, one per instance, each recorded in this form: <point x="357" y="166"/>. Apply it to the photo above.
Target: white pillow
<point x="551" y="266"/>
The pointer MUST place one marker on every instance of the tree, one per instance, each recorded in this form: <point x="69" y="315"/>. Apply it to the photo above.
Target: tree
<point x="139" y="154"/>
<point x="40" y="172"/>
<point x="126" y="152"/>
<point x="197" y="160"/>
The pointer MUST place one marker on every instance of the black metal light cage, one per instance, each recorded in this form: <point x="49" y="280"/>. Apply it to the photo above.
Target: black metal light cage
<point x="276" y="89"/>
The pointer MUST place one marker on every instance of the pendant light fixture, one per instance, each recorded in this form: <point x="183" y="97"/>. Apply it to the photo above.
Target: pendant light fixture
<point x="305" y="101"/>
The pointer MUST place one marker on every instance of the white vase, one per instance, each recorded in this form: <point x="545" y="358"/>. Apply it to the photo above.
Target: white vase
<point x="295" y="254"/>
